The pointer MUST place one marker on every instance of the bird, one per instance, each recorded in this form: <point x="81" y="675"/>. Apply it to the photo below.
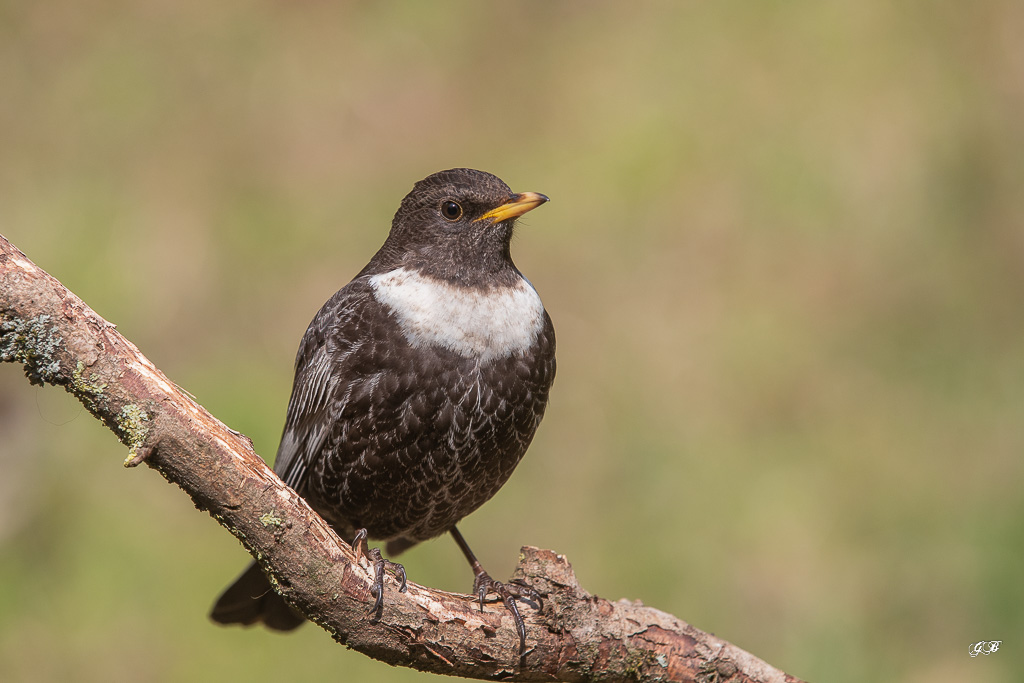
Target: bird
<point x="418" y="388"/>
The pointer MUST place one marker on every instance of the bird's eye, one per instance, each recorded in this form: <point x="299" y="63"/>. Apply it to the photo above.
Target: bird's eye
<point x="451" y="211"/>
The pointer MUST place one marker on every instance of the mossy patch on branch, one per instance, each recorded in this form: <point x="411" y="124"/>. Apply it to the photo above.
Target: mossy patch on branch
<point x="34" y="343"/>
<point x="132" y="428"/>
<point x="83" y="387"/>
<point x="271" y="519"/>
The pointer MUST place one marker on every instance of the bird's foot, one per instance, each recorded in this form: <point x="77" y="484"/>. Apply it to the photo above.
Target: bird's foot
<point x="380" y="567"/>
<point x="509" y="592"/>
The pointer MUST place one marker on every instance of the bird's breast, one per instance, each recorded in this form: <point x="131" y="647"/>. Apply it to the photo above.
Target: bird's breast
<point x="487" y="323"/>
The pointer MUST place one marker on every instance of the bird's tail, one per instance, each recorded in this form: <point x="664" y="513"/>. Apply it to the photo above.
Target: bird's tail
<point x="251" y="600"/>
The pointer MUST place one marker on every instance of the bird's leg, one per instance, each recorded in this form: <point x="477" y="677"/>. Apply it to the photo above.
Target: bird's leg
<point x="380" y="566"/>
<point x="508" y="592"/>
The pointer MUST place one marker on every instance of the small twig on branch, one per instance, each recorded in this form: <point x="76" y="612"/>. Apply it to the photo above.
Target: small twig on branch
<point x="575" y="637"/>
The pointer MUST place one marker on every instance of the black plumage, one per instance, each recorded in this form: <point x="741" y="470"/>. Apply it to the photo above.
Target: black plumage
<point x="418" y="386"/>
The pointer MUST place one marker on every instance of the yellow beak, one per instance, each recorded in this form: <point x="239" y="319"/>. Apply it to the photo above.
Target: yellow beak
<point x="516" y="206"/>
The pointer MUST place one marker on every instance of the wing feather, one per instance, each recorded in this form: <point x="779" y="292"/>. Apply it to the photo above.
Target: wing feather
<point x="321" y="365"/>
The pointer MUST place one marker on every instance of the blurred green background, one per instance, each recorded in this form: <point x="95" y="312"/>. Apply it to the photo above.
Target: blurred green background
<point x="784" y="257"/>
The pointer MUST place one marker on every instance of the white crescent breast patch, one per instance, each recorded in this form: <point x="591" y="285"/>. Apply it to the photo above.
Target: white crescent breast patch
<point x="490" y="324"/>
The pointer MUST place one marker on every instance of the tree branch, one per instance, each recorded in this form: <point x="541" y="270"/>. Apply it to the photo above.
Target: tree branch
<point x="575" y="637"/>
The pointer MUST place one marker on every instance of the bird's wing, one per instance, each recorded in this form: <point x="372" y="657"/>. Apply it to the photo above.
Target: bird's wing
<point x="321" y="365"/>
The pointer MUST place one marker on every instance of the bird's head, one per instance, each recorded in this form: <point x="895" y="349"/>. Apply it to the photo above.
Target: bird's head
<point x="457" y="225"/>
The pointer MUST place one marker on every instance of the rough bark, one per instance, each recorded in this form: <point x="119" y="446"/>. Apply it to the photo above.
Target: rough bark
<point x="574" y="637"/>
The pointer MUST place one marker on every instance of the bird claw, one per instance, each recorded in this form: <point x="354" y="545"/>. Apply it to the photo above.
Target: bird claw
<point x="380" y="568"/>
<point x="508" y="593"/>
<point x="358" y="543"/>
